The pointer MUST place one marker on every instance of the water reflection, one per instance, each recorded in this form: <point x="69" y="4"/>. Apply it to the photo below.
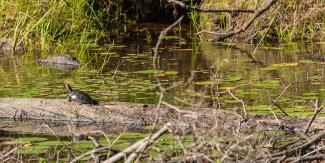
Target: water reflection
<point x="114" y="71"/>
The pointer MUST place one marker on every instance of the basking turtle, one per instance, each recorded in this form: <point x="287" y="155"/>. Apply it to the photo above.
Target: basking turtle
<point x="64" y="59"/>
<point x="79" y="96"/>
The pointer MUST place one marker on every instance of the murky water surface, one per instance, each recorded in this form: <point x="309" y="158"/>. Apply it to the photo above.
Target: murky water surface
<point x="119" y="68"/>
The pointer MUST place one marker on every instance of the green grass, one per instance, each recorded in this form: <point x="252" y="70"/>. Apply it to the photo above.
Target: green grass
<point x="47" y="24"/>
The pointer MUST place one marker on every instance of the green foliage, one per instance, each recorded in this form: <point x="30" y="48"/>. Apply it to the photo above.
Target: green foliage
<point x="268" y="84"/>
<point x="205" y="83"/>
<point x="40" y="24"/>
<point x="160" y="72"/>
<point x="279" y="66"/>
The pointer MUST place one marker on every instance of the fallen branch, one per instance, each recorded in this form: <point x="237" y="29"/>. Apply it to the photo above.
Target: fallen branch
<point x="248" y="23"/>
<point x="137" y="147"/>
<point x="309" y="154"/>
<point x="187" y="7"/>
<point x="9" y="152"/>
<point x="90" y="152"/>
<point x="155" y="67"/>
<point x="146" y="144"/>
<point x="296" y="150"/>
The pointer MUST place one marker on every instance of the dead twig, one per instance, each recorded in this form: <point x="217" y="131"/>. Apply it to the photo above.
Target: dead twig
<point x="296" y="150"/>
<point x="90" y="152"/>
<point x="9" y="152"/>
<point x="275" y="100"/>
<point x="317" y="110"/>
<point x="155" y="67"/>
<point x="225" y="155"/>
<point x="308" y="154"/>
<point x="242" y="102"/>
<point x="58" y="138"/>
<point x="138" y="147"/>
<point x="155" y="50"/>
<point x="187" y="113"/>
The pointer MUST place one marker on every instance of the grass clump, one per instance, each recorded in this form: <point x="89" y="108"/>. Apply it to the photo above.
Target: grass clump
<point x="41" y="24"/>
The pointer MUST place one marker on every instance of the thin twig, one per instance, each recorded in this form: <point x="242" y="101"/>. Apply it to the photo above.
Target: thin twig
<point x="138" y="146"/>
<point x="58" y="138"/>
<point x="115" y="71"/>
<point x="155" y="50"/>
<point x="241" y="101"/>
<point x="295" y="150"/>
<point x="225" y="155"/>
<point x="155" y="67"/>
<point x="275" y="100"/>
<point x="187" y="112"/>
<point x="89" y="153"/>
<point x="9" y="152"/>
<point x="308" y="154"/>
<point x="317" y="110"/>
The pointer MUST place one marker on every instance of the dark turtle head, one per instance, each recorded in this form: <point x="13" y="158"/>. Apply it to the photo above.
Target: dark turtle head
<point x="68" y="87"/>
<point x="95" y="102"/>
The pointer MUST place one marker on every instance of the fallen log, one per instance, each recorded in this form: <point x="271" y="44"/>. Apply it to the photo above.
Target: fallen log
<point x="116" y="115"/>
<point x="62" y="110"/>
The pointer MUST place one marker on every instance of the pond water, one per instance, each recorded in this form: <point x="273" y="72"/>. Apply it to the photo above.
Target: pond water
<point x="119" y="68"/>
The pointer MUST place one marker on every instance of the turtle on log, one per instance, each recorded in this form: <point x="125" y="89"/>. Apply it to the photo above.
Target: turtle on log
<point x="79" y="96"/>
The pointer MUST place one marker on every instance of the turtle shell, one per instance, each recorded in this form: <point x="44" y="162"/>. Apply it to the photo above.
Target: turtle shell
<point x="81" y="97"/>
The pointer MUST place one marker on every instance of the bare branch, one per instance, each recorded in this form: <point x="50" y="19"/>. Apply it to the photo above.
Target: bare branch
<point x="138" y="146"/>
<point x="295" y="150"/>
<point x="248" y="23"/>
<point x="183" y="5"/>
<point x="10" y="152"/>
<point x="317" y="110"/>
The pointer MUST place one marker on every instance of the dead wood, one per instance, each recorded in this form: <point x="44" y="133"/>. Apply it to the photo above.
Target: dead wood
<point x="257" y="13"/>
<point x="317" y="111"/>
<point x="65" y="117"/>
<point x="297" y="150"/>
<point x="183" y="5"/>
<point x="307" y="158"/>
<point x="138" y="147"/>
<point x="248" y="23"/>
